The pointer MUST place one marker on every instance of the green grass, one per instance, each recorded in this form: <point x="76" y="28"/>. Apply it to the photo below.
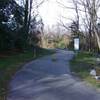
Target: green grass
<point x="12" y="63"/>
<point x="81" y="65"/>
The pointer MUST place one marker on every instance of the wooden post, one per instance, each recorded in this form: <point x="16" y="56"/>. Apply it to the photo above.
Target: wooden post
<point x="34" y="52"/>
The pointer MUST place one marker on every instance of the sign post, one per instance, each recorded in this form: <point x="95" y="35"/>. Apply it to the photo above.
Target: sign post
<point x="76" y="44"/>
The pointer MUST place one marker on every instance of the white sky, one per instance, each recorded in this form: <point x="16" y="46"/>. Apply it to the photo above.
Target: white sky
<point x="51" y="12"/>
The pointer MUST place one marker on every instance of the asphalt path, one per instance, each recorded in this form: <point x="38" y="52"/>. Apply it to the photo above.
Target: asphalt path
<point x="49" y="78"/>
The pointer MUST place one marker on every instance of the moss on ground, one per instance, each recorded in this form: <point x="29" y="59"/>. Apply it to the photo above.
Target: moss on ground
<point x="81" y="65"/>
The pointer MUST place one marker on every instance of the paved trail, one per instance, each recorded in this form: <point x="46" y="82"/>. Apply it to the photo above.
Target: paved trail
<point x="44" y="79"/>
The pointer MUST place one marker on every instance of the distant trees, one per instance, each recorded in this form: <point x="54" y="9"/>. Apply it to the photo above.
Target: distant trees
<point x="56" y="37"/>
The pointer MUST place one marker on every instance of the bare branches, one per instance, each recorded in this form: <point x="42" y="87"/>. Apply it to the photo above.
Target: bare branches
<point x="66" y="7"/>
<point x="63" y="25"/>
<point x="38" y="4"/>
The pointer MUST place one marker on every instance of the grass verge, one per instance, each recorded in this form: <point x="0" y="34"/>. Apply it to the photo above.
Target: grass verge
<point x="81" y="65"/>
<point x="12" y="63"/>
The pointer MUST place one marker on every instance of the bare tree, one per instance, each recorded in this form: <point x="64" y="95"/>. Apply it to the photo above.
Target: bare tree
<point x="77" y="20"/>
<point x="90" y="9"/>
<point x="29" y="13"/>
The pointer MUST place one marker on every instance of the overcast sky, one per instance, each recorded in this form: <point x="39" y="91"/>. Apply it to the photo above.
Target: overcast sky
<point x="51" y="12"/>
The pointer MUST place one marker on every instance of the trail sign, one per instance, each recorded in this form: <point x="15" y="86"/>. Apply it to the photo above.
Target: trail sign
<point x="76" y="44"/>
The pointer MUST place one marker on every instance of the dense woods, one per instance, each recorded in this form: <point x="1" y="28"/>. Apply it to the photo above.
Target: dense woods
<point x="18" y="25"/>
